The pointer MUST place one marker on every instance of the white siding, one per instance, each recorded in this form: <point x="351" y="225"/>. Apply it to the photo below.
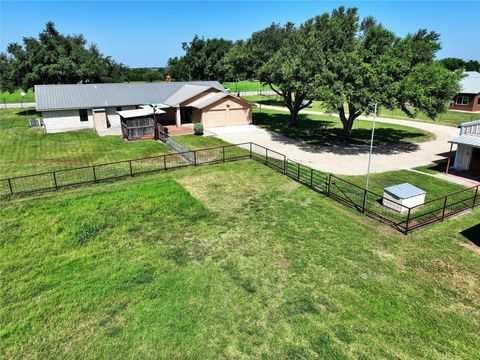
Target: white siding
<point x="463" y="158"/>
<point x="65" y="120"/>
<point x="402" y="205"/>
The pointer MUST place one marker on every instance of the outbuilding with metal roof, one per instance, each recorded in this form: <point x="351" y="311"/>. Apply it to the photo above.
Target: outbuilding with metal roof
<point x="467" y="157"/>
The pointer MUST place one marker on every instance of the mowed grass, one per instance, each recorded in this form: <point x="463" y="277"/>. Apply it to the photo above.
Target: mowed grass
<point x="26" y="151"/>
<point x="195" y="142"/>
<point x="434" y="187"/>
<point x="245" y="85"/>
<point x="309" y="129"/>
<point x="449" y="117"/>
<point x="229" y="261"/>
<point x="15" y="97"/>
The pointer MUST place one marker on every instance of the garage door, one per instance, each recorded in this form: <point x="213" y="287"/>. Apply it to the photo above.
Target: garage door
<point x="214" y="118"/>
<point x="237" y="117"/>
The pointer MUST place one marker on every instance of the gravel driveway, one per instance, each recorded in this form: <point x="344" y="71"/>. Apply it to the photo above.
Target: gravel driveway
<point x="348" y="160"/>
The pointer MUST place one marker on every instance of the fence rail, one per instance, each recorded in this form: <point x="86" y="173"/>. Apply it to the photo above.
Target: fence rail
<point x="332" y="186"/>
<point x="54" y="180"/>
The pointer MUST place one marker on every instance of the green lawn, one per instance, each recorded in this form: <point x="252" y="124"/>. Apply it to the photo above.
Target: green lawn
<point x="6" y="97"/>
<point x="308" y="125"/>
<point x="452" y="118"/>
<point x="434" y="187"/>
<point x="26" y="151"/>
<point x="195" y="142"/>
<point x="245" y="85"/>
<point x="433" y="168"/>
<point x="229" y="261"/>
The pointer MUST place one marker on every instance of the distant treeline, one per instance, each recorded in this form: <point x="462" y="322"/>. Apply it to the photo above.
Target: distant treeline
<point x="460" y="64"/>
<point x="146" y="74"/>
<point x="55" y="58"/>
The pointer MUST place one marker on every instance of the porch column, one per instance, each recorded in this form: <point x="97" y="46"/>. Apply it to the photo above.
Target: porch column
<point x="449" y="159"/>
<point x="178" y="118"/>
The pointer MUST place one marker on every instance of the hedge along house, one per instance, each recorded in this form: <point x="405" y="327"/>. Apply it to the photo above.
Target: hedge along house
<point x="467" y="157"/>
<point x="468" y="99"/>
<point x="109" y="108"/>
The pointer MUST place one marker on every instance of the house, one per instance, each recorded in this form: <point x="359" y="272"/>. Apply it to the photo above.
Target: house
<point x="468" y="99"/>
<point x="107" y="107"/>
<point x="467" y="157"/>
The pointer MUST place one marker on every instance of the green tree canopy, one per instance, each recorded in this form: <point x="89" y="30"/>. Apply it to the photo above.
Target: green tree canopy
<point x="53" y="58"/>
<point x="460" y="64"/>
<point x="202" y="60"/>
<point x="347" y="64"/>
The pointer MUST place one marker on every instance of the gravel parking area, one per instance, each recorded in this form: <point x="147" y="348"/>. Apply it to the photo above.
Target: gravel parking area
<point x="348" y="160"/>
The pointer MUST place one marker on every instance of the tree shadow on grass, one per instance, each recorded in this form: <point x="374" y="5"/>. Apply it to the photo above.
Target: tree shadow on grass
<point x="326" y="136"/>
<point x="29" y="112"/>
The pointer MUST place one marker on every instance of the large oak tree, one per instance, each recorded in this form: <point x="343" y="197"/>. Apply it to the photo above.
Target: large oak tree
<point x="347" y="64"/>
<point x="54" y="58"/>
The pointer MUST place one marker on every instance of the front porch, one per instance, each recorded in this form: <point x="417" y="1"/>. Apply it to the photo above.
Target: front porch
<point x="174" y="130"/>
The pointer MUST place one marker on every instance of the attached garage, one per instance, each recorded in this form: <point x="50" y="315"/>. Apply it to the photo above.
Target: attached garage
<point x="214" y="118"/>
<point x="223" y="109"/>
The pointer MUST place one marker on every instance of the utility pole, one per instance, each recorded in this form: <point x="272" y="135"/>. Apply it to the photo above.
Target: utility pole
<point x="371" y="144"/>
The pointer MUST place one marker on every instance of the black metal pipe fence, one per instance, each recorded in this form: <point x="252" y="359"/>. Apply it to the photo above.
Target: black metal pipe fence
<point x="54" y="180"/>
<point x="341" y="190"/>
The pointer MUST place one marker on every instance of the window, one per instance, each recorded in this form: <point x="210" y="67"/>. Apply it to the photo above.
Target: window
<point x="478" y="102"/>
<point x="462" y="100"/>
<point x="119" y="108"/>
<point x="83" y="114"/>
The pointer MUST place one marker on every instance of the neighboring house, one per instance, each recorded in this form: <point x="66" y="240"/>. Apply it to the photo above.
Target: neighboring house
<point x="104" y="106"/>
<point x="468" y="99"/>
<point x="467" y="157"/>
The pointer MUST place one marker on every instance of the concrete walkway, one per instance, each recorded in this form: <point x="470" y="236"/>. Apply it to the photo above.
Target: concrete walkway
<point x="352" y="159"/>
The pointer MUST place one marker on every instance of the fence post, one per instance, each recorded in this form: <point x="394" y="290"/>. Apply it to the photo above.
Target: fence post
<point x="195" y="157"/>
<point x="94" y="174"/>
<point x="329" y="184"/>
<point x="407" y="225"/>
<point x="223" y="151"/>
<point x="130" y="165"/>
<point x="365" y="194"/>
<point x="284" y="165"/>
<point x="165" y="162"/>
<point x="444" y="207"/>
<point x="311" y="177"/>
<point x="475" y="197"/>
<point x="250" y="149"/>
<point x="55" y="180"/>
<point x="266" y="156"/>
<point x="10" y="186"/>
<point x="298" y="171"/>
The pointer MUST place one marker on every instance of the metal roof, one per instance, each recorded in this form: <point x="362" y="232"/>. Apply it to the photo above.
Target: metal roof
<point x="470" y="123"/>
<point x="404" y="191"/>
<point x="84" y="96"/>
<point x="138" y="113"/>
<point x="470" y="84"/>
<point x="208" y="100"/>
<point x="186" y="92"/>
<point x="472" y="140"/>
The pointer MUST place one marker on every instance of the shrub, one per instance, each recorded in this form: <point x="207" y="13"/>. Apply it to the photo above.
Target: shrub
<point x="198" y="129"/>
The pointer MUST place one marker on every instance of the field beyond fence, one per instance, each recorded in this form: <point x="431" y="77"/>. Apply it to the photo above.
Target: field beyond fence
<point x="339" y="189"/>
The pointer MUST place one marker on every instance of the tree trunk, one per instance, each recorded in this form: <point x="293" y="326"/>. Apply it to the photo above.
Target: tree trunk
<point x="347" y="122"/>
<point x="293" y="117"/>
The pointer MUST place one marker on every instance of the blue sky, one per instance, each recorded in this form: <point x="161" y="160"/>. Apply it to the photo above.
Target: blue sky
<point x="148" y="33"/>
